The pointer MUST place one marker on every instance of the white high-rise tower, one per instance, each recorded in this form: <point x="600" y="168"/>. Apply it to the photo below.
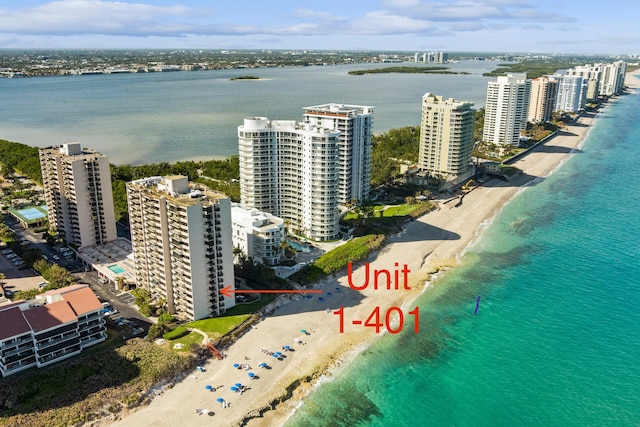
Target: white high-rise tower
<point x="507" y="108"/>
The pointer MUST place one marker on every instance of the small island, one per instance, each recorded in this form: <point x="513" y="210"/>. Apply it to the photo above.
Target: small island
<point x="420" y="70"/>
<point x="245" y="78"/>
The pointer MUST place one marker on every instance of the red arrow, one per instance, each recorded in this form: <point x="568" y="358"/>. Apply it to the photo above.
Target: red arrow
<point x="228" y="291"/>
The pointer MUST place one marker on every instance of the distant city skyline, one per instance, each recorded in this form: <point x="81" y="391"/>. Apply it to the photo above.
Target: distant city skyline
<point x="518" y="26"/>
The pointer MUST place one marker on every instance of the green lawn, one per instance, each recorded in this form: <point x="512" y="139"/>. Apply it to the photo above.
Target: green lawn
<point x="214" y="327"/>
<point x="252" y="307"/>
<point x="400" y="210"/>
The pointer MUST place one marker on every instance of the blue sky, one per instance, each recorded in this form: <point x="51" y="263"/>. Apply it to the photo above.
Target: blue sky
<point x="560" y="26"/>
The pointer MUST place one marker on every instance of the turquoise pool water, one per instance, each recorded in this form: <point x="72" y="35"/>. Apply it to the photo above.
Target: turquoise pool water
<point x="298" y="247"/>
<point x="116" y="268"/>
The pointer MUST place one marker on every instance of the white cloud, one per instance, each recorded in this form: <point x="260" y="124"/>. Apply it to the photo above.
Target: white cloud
<point x="91" y="17"/>
<point x="448" y="11"/>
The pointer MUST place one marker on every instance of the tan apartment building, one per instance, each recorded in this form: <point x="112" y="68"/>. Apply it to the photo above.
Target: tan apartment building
<point x="446" y="137"/>
<point x="182" y="246"/>
<point x="77" y="190"/>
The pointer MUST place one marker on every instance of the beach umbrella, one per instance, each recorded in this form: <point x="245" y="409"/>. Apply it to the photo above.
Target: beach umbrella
<point x="220" y="400"/>
<point x="263" y="365"/>
<point x="251" y="374"/>
<point x="208" y="387"/>
<point x="236" y="365"/>
<point x="304" y="331"/>
<point x="234" y="388"/>
<point x="286" y="347"/>
<point x="238" y="385"/>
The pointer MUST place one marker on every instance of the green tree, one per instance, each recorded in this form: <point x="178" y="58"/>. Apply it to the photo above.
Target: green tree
<point x="27" y="294"/>
<point x="41" y="266"/>
<point x="58" y="277"/>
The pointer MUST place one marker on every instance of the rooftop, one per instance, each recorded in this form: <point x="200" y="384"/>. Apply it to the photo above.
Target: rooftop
<point x="49" y="315"/>
<point x="12" y="323"/>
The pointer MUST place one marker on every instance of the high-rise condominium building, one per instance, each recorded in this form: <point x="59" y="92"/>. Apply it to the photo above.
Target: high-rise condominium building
<point x="446" y="136"/>
<point x="506" y="109"/>
<point x="592" y="75"/>
<point x="291" y="170"/>
<point x="77" y="189"/>
<point x="605" y="79"/>
<point x="572" y="94"/>
<point x="354" y="153"/>
<point x="544" y="91"/>
<point x="612" y="80"/>
<point x="432" y="57"/>
<point x="182" y="247"/>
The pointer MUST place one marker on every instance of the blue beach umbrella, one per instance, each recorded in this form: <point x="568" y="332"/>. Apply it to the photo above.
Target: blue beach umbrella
<point x="208" y="387"/>
<point x="236" y="365"/>
<point x="234" y="388"/>
<point x="238" y="385"/>
<point x="263" y="365"/>
<point x="220" y="400"/>
<point x="251" y="374"/>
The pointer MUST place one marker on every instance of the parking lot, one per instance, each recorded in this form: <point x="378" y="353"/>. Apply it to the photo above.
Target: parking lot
<point x="17" y="279"/>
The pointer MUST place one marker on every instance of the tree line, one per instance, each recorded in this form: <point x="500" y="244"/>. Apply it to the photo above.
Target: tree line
<point x="15" y="156"/>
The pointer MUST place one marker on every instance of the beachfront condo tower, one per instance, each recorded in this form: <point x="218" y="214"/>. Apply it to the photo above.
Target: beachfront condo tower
<point x="506" y="109"/>
<point x="604" y="79"/>
<point x="291" y="170"/>
<point x="446" y="137"/>
<point x="182" y="246"/>
<point x="572" y="94"/>
<point x="354" y="152"/>
<point x="77" y="190"/>
<point x="544" y="92"/>
<point x="612" y="78"/>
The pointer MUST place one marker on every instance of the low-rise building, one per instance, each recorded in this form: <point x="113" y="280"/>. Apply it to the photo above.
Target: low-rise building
<point x="55" y="326"/>
<point x="257" y="234"/>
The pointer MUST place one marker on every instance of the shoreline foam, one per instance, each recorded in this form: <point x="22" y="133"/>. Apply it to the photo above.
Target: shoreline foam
<point x="272" y="399"/>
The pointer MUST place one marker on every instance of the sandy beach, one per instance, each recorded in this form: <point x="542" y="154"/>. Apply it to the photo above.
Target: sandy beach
<point x="438" y="238"/>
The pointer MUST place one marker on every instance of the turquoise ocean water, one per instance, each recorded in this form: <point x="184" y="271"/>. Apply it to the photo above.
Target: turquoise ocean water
<point x="556" y="339"/>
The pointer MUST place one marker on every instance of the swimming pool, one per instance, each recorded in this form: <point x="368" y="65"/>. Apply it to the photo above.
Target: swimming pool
<point x="299" y="247"/>
<point x="116" y="269"/>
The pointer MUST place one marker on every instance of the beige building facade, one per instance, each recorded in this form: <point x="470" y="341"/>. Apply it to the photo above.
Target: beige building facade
<point x="77" y="190"/>
<point x="182" y="246"/>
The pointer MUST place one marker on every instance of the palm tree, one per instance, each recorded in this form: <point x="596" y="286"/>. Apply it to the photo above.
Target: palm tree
<point x="120" y="283"/>
<point x="238" y="255"/>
